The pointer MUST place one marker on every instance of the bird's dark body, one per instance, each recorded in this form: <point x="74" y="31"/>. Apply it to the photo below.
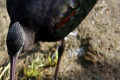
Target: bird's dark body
<point x="39" y="18"/>
<point x="42" y="20"/>
<point x="42" y="16"/>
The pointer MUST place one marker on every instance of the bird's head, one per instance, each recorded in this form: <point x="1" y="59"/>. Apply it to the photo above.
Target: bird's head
<point x="15" y="43"/>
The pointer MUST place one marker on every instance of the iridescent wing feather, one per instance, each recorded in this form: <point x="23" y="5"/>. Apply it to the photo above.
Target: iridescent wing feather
<point x="74" y="15"/>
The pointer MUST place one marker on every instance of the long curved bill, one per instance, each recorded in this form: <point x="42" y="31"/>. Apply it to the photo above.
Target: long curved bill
<point x="13" y="62"/>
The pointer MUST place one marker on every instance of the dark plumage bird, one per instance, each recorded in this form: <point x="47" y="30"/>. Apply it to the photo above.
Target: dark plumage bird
<point x="42" y="20"/>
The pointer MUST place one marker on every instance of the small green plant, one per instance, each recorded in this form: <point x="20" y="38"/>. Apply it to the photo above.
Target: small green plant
<point x="53" y="61"/>
<point x="56" y="56"/>
<point x="32" y="70"/>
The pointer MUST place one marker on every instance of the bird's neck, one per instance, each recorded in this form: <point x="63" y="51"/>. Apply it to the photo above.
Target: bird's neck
<point x="30" y="38"/>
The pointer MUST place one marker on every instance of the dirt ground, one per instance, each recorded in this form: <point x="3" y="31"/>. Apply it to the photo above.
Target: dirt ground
<point x="92" y="51"/>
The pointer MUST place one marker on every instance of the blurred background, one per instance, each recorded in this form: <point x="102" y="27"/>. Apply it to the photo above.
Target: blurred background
<point x="92" y="51"/>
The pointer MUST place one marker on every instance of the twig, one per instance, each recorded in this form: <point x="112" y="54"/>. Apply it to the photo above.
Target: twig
<point x="3" y="72"/>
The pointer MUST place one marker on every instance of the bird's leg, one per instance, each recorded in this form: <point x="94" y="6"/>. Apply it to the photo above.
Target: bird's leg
<point x="60" y="52"/>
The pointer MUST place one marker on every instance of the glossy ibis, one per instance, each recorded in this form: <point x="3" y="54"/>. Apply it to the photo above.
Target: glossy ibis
<point x="42" y="20"/>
